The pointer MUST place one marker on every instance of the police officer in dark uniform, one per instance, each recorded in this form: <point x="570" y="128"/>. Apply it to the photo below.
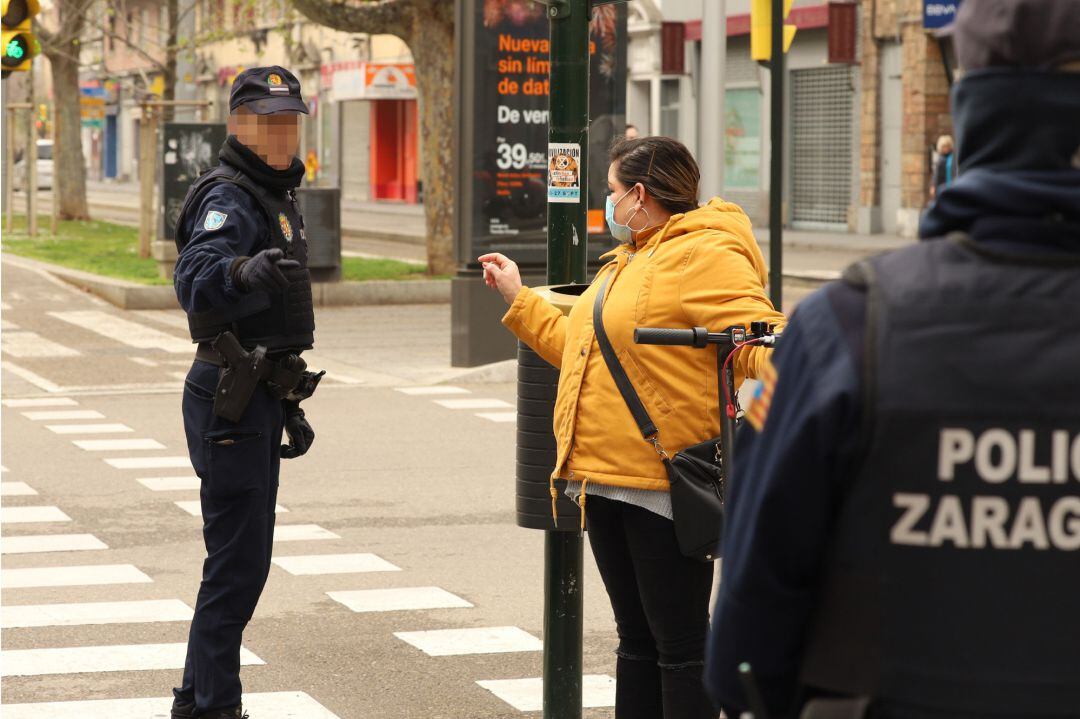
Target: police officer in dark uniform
<point x="903" y="534"/>
<point x="242" y="278"/>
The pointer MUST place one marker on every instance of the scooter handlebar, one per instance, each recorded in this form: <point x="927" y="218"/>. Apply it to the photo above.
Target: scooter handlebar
<point x="671" y="336"/>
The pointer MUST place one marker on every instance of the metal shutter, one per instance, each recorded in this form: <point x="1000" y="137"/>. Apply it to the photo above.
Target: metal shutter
<point x="821" y="146"/>
<point x="356" y="151"/>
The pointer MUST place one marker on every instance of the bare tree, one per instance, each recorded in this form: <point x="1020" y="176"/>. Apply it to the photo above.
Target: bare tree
<point x="427" y="27"/>
<point x="61" y="44"/>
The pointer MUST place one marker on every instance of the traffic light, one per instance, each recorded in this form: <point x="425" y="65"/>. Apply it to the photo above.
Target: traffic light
<point x="761" y="29"/>
<point x="20" y="43"/>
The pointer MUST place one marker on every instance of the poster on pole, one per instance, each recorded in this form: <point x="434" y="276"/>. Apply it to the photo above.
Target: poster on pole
<point x="190" y="148"/>
<point x="564" y="172"/>
<point x="505" y="176"/>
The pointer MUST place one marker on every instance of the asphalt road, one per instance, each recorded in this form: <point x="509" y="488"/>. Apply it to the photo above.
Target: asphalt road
<point x="424" y="487"/>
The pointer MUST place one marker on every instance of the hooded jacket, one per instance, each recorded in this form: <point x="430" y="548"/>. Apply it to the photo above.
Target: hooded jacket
<point x="702" y="268"/>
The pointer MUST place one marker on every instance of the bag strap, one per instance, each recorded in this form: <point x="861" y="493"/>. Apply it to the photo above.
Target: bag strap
<point x="626" y="387"/>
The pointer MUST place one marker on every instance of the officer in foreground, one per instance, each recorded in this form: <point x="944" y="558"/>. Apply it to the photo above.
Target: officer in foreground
<point x="904" y="523"/>
<point x="242" y="278"/>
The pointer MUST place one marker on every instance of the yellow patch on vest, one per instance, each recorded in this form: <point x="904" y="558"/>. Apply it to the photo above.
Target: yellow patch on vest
<point x="762" y="397"/>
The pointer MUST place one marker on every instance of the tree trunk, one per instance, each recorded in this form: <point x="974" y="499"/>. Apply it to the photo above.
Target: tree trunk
<point x="432" y="45"/>
<point x="169" y="75"/>
<point x="69" y="168"/>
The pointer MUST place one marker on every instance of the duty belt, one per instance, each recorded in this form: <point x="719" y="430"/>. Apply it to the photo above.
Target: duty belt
<point x="286" y="377"/>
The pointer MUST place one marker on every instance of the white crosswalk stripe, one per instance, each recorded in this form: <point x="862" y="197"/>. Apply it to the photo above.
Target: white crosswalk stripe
<point x="31" y="344"/>
<point x="76" y="576"/>
<point x="150" y="462"/>
<point x="119" y="658"/>
<point x="527" y="695"/>
<point x="88" y="428"/>
<point x="396" y="600"/>
<point x="431" y="391"/>
<point x="31" y="515"/>
<point x="271" y="705"/>
<point x="473" y="403"/>
<point x="117" y="445"/>
<point x="501" y="417"/>
<point x="334" y="564"/>
<point x="37" y="543"/>
<point x="40" y="402"/>
<point x="302" y="533"/>
<point x="16" y="489"/>
<point x="194" y="507"/>
<point x="63" y="415"/>
<point x="124" y="331"/>
<point x="71" y="615"/>
<point x="170" y="484"/>
<point x="481" y="640"/>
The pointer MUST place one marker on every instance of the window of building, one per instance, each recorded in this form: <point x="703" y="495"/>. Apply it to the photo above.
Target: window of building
<point x="669" y="107"/>
<point x="742" y="144"/>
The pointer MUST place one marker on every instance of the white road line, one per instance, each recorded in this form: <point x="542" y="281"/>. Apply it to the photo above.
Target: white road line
<point x="334" y="564"/>
<point x="41" y="402"/>
<point x="77" y="576"/>
<point x="194" y="507"/>
<point x="8" y="326"/>
<point x="63" y="415"/>
<point x="5" y="306"/>
<point x="127" y="332"/>
<point x="73" y="615"/>
<point x="175" y="319"/>
<point x="88" y="428"/>
<point x="301" y="533"/>
<point x="34" y="379"/>
<point x="527" y="695"/>
<point x="16" y="489"/>
<point x="178" y="375"/>
<point x="123" y="658"/>
<point x="117" y="445"/>
<point x="170" y="484"/>
<point x="29" y="515"/>
<point x="150" y="462"/>
<point x="431" y="391"/>
<point x="337" y="371"/>
<point x="482" y="640"/>
<point x="473" y="403"/>
<point x="500" y="417"/>
<point x="37" y="543"/>
<point x="31" y="344"/>
<point x="396" y="600"/>
<point x="272" y="705"/>
<point x="143" y="361"/>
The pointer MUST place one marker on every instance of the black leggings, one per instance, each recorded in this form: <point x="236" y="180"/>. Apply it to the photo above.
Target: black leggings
<point x="661" y="604"/>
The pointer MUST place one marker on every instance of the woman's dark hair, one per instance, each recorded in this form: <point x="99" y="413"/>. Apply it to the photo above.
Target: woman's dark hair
<point x="663" y="165"/>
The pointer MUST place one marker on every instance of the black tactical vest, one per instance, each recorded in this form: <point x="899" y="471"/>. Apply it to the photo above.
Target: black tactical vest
<point x="277" y="321"/>
<point x="953" y="582"/>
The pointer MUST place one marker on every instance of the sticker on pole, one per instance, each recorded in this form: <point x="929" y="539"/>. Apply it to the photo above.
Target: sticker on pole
<point x="564" y="172"/>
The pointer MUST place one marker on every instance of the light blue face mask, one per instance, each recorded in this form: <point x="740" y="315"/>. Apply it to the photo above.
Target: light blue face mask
<point x="622" y="233"/>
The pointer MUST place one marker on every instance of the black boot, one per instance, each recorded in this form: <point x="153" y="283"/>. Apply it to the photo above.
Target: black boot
<point x="236" y="712"/>
<point x="182" y="710"/>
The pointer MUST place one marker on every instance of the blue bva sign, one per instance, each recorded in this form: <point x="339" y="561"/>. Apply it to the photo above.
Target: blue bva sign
<point x="939" y="13"/>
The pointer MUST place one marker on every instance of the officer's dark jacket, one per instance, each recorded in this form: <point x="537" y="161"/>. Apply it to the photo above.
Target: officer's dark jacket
<point x="227" y="216"/>
<point x="870" y="548"/>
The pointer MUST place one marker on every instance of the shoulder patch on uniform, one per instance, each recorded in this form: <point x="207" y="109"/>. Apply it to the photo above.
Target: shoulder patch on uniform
<point x="758" y="410"/>
<point x="214" y="220"/>
<point x="286" y="228"/>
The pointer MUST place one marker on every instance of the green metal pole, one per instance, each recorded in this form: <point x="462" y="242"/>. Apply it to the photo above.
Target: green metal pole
<point x="567" y="236"/>
<point x="776" y="154"/>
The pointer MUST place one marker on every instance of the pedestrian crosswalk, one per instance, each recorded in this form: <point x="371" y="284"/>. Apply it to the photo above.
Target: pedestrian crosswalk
<point x="448" y="397"/>
<point x="77" y="576"/>
<point x="38" y="543"/>
<point x="118" y="658"/>
<point x="69" y="615"/>
<point x="268" y="705"/>
<point x="133" y="334"/>
<point x="29" y="515"/>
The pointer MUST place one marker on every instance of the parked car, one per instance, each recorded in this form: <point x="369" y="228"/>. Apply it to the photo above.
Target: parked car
<point x="44" y="167"/>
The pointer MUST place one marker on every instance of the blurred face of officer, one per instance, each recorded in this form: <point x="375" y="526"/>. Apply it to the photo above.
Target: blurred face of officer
<point x="275" y="138"/>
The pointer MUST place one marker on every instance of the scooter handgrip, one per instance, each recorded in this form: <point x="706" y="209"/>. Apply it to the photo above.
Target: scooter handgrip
<point x="664" y="336"/>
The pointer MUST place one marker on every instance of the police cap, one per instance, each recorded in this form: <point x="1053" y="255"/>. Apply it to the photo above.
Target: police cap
<point x="266" y="90"/>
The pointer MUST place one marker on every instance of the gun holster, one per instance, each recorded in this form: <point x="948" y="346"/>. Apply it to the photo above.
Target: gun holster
<point x="243" y="370"/>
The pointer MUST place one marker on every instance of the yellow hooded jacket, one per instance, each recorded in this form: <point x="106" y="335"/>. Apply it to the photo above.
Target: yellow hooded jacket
<point x="701" y="269"/>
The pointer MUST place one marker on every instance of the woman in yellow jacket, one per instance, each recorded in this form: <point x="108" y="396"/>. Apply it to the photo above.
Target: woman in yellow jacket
<point x="680" y="265"/>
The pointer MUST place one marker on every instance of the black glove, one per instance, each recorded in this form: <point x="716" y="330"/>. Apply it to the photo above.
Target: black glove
<point x="301" y="435"/>
<point x="264" y="271"/>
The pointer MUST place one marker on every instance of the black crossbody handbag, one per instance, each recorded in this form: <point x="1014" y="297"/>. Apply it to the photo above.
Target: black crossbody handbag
<point x="697" y="482"/>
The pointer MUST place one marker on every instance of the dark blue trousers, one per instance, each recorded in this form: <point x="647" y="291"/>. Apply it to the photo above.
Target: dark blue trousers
<point x="238" y="464"/>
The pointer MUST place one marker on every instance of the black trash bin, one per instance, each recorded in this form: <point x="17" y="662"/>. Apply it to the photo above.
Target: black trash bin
<point x="538" y="383"/>
<point x="321" y="208"/>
